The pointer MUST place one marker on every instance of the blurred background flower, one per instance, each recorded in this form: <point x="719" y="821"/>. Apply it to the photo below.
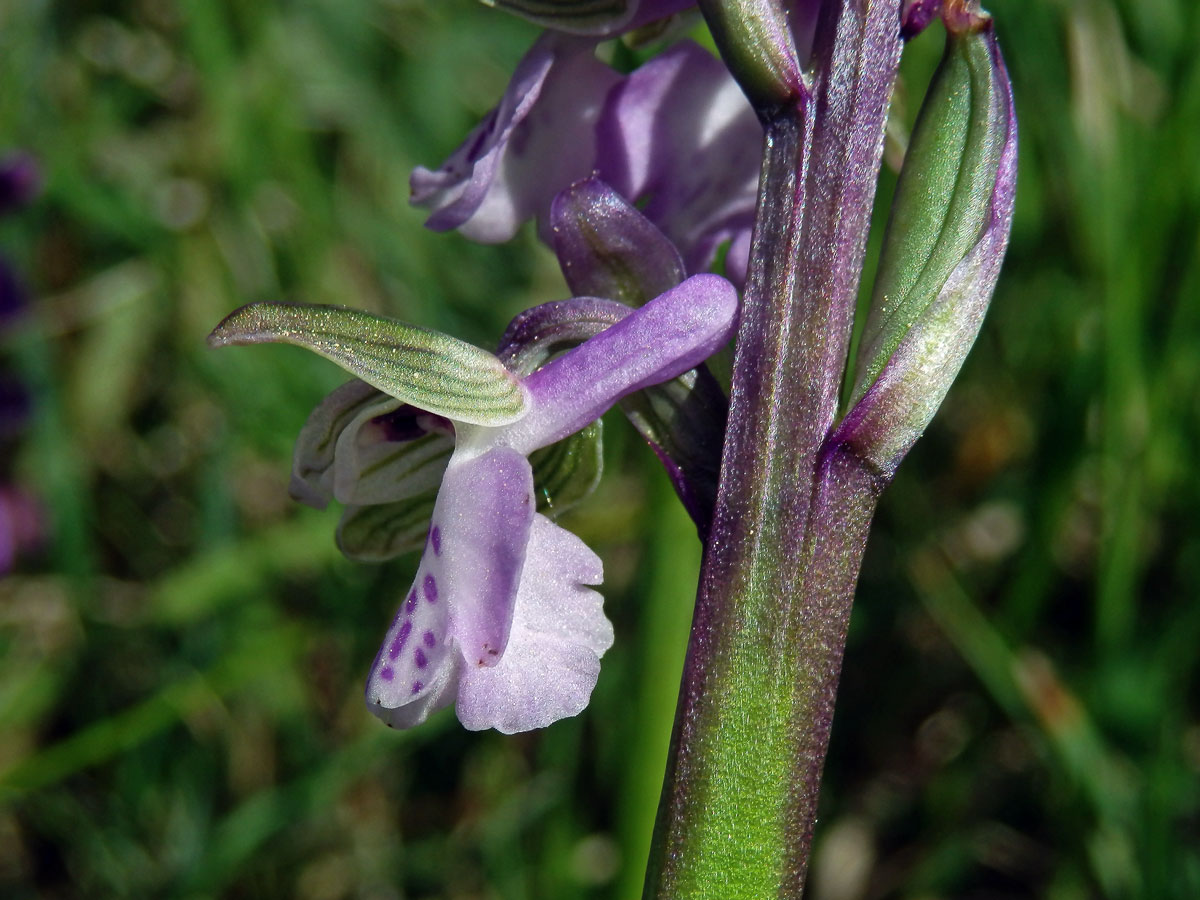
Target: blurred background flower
<point x="20" y="518"/>
<point x="180" y="666"/>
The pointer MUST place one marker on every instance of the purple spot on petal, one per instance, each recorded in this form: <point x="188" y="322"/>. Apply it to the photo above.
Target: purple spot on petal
<point x="435" y="539"/>
<point x="430" y="589"/>
<point x="400" y="639"/>
<point x="429" y="639"/>
<point x="419" y="656"/>
<point x="411" y="603"/>
<point x="417" y="687"/>
<point x="386" y="673"/>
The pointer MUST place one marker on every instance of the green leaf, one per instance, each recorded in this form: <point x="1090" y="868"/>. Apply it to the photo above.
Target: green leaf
<point x="430" y="370"/>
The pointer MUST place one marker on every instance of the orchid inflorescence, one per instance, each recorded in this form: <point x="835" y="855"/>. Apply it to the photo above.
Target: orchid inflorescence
<point x="664" y="192"/>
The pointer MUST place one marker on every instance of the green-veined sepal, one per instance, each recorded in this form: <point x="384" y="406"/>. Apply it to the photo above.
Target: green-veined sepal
<point x="430" y="370"/>
<point x="362" y="446"/>
<point x="568" y="471"/>
<point x="380" y="531"/>
<point x="314" y="455"/>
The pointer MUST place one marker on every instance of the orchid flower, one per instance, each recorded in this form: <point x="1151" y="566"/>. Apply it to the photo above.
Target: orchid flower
<point x="500" y="619"/>
<point x="677" y="137"/>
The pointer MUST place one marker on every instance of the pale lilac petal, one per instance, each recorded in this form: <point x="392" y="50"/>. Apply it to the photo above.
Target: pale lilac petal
<point x="481" y="526"/>
<point x="674" y="332"/>
<point x="559" y="633"/>
<point x="455" y="191"/>
<point x="679" y="136"/>
<point x="540" y="138"/>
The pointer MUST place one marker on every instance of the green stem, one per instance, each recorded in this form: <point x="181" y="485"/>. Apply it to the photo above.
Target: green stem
<point x="792" y="512"/>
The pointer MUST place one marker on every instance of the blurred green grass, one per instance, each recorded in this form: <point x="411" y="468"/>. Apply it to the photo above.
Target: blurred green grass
<point x="180" y="664"/>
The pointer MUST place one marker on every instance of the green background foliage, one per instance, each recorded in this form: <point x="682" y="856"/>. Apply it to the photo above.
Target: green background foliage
<point x="181" y="660"/>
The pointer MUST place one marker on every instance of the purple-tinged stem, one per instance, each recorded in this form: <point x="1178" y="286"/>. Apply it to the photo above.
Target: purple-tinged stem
<point x="792" y="514"/>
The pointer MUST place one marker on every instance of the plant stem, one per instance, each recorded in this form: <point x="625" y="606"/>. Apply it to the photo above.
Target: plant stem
<point x="792" y="511"/>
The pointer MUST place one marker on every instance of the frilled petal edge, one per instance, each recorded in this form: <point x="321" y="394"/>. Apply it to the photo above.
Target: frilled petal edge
<point x="559" y="632"/>
<point x="459" y="611"/>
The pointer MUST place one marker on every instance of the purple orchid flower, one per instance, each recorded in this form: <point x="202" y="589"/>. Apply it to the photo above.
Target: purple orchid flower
<point x="20" y="181"/>
<point x="21" y="525"/>
<point x="21" y="521"/>
<point x="500" y="619"/>
<point x="677" y="137"/>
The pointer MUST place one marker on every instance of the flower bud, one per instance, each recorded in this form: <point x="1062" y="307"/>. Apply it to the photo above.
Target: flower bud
<point x="607" y="248"/>
<point x="946" y="237"/>
<point x="766" y="44"/>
